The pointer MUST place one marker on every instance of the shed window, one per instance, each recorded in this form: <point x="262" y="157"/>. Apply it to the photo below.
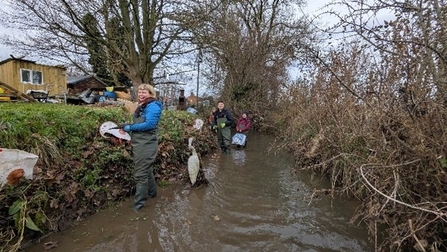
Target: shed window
<point x="31" y="76"/>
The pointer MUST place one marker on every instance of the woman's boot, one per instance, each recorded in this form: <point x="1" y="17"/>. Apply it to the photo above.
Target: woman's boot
<point x="140" y="197"/>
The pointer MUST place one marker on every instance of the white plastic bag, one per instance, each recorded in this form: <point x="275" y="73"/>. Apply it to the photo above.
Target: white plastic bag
<point x="239" y="139"/>
<point x="107" y="127"/>
<point x="198" y="124"/>
<point x="12" y="159"/>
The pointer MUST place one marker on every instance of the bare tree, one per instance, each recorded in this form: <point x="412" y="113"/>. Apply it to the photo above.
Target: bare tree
<point x="252" y="43"/>
<point x="390" y="55"/>
<point x="134" y="35"/>
<point x="408" y="34"/>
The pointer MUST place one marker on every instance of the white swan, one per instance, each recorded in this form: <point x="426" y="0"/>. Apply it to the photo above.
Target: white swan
<point x="193" y="163"/>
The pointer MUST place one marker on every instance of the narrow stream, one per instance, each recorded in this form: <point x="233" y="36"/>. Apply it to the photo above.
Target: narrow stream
<point x="253" y="203"/>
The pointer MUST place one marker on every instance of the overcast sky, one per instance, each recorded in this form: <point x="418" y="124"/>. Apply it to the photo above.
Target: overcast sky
<point x="4" y="51"/>
<point x="312" y="7"/>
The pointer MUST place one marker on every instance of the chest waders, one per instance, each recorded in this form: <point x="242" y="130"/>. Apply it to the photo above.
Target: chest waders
<point x="223" y="135"/>
<point x="144" y="149"/>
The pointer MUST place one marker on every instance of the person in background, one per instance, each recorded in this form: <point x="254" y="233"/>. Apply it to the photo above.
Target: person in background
<point x="144" y="139"/>
<point x="132" y="94"/>
<point x="243" y="125"/>
<point x="223" y="119"/>
<point x="211" y="117"/>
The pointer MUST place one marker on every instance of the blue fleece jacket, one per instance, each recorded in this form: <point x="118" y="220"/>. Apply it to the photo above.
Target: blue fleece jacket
<point x="151" y="114"/>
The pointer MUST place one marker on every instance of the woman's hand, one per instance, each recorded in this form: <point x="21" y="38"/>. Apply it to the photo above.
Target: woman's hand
<point x="122" y="132"/>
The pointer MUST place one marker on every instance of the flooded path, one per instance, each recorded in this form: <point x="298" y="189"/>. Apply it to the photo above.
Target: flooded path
<point x="253" y="203"/>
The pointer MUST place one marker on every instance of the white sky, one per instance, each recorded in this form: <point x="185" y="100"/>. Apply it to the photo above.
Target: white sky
<point x="312" y="9"/>
<point x="4" y="51"/>
<point x="313" y="5"/>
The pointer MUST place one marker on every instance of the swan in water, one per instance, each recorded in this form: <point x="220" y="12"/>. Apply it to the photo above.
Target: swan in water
<point x="193" y="163"/>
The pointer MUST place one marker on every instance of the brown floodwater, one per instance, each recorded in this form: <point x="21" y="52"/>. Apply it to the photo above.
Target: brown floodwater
<point x="253" y="203"/>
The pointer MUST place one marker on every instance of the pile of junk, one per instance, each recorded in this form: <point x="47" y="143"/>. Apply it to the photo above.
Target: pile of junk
<point x="90" y="96"/>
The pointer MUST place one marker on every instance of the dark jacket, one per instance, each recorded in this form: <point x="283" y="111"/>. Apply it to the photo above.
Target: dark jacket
<point x="223" y="114"/>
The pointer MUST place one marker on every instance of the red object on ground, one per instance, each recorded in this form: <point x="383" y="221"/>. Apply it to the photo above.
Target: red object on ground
<point x="14" y="176"/>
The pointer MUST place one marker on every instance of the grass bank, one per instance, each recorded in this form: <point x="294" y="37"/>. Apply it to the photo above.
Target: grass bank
<point x="79" y="171"/>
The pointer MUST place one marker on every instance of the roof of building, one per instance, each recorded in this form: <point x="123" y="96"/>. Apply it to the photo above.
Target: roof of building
<point x="28" y="61"/>
<point x="10" y="59"/>
<point x="73" y="80"/>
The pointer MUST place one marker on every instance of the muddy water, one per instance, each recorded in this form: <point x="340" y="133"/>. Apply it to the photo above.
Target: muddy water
<point x="253" y="203"/>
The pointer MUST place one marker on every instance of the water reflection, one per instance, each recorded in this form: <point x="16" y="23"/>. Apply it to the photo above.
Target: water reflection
<point x="239" y="157"/>
<point x="253" y="203"/>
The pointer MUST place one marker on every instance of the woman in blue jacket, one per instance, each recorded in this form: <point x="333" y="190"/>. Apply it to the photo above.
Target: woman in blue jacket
<point x="144" y="138"/>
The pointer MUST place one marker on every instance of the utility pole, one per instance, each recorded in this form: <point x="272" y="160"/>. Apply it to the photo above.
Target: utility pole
<point x="199" y="60"/>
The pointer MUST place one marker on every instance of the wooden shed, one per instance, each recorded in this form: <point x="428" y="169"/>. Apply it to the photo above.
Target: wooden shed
<point x="78" y="84"/>
<point x="24" y="75"/>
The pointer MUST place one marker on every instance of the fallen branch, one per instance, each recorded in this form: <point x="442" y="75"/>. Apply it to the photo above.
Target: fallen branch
<point x="438" y="213"/>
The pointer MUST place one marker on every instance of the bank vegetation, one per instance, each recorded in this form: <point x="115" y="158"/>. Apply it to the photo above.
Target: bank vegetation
<point x="371" y="116"/>
<point x="79" y="172"/>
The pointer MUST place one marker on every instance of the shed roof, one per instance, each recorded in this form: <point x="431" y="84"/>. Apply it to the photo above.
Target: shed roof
<point x="27" y="61"/>
<point x="10" y="59"/>
<point x="73" y="80"/>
